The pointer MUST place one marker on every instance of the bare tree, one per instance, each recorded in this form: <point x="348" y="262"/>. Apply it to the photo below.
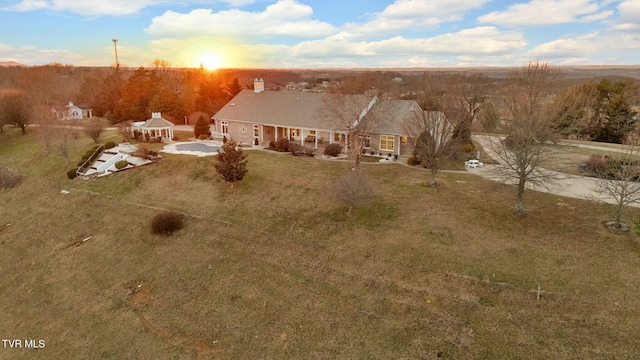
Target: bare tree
<point x="94" y="129"/>
<point x="357" y="116"/>
<point x="42" y="115"/>
<point x="433" y="135"/>
<point x="618" y="180"/>
<point x="467" y="96"/>
<point x="61" y="139"/>
<point x="125" y="130"/>
<point x="15" y="109"/>
<point x="528" y="98"/>
<point x="353" y="190"/>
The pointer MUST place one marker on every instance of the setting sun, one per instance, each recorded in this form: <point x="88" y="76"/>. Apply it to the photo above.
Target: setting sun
<point x="210" y="61"/>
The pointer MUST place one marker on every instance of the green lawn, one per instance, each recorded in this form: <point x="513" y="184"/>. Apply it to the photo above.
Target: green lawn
<point x="274" y="269"/>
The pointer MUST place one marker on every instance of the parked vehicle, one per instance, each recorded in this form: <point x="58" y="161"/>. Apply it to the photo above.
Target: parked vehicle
<point x="473" y="163"/>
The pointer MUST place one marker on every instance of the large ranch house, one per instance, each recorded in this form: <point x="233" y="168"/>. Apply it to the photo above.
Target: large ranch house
<point x="258" y="117"/>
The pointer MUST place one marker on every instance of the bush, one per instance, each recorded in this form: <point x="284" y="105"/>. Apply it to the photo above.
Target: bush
<point x="71" y="174"/>
<point x="167" y="222"/>
<point x="122" y="164"/>
<point x="597" y="164"/>
<point x="333" y="150"/>
<point x="8" y="179"/>
<point x="413" y="161"/>
<point x="309" y="151"/>
<point x="272" y="145"/>
<point x="282" y="145"/>
<point x="469" y="147"/>
<point x="203" y="137"/>
<point x="296" y="149"/>
<point x="109" y="145"/>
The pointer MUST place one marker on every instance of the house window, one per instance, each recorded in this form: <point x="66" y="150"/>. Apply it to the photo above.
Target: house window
<point x="386" y="142"/>
<point x="366" y="142"/>
<point x="225" y="127"/>
<point x="256" y="131"/>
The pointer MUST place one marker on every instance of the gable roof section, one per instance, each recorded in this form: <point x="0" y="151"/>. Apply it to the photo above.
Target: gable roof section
<point x="398" y="111"/>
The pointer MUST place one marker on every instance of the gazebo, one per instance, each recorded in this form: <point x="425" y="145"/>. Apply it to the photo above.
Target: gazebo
<point x="157" y="127"/>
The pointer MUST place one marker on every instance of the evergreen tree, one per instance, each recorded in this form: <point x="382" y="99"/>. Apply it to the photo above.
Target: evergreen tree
<point x="201" y="127"/>
<point x="231" y="163"/>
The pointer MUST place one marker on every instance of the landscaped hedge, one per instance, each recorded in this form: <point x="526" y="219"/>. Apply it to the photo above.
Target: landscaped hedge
<point x="122" y="164"/>
<point x="333" y="150"/>
<point x="109" y="145"/>
<point x="71" y="174"/>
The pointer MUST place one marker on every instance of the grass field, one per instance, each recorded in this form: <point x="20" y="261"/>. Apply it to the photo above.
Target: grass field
<point x="274" y="270"/>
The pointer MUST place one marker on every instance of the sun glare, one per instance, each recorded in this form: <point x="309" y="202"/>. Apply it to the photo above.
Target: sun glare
<point x="210" y="61"/>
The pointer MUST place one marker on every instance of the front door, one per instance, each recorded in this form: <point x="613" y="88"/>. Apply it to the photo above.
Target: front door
<point x="256" y="134"/>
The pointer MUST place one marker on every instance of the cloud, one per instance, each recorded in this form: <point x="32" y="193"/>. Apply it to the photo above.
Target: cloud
<point x="27" y="54"/>
<point x="481" y="40"/>
<point x="593" y="46"/>
<point x="547" y="12"/>
<point x="286" y="18"/>
<point x="629" y="20"/>
<point x="412" y="15"/>
<point x="105" y="7"/>
<point x="578" y="47"/>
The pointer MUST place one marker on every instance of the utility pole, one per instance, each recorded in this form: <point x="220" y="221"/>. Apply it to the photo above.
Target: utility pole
<point x="115" y="47"/>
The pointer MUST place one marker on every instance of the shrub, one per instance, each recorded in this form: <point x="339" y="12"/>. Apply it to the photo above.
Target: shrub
<point x="309" y="151"/>
<point x="143" y="152"/>
<point x="296" y="149"/>
<point x="122" y="164"/>
<point x="167" y="222"/>
<point x="469" y="147"/>
<point x="282" y="145"/>
<point x="413" y="161"/>
<point x="333" y="150"/>
<point x="71" y="174"/>
<point x="597" y="164"/>
<point x="109" y="145"/>
<point x="8" y="179"/>
<point x="203" y="137"/>
<point x="272" y="145"/>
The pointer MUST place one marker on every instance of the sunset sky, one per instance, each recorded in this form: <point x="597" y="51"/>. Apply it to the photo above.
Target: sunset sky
<point x="320" y="33"/>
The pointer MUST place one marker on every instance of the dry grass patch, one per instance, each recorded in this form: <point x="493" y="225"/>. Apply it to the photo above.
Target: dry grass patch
<point x="418" y="273"/>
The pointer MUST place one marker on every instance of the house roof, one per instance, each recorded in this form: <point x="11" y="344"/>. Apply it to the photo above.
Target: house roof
<point x="281" y="108"/>
<point x="294" y="109"/>
<point x="397" y="112"/>
<point x="156" y="123"/>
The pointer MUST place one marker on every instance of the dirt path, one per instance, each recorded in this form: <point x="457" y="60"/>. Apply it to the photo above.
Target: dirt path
<point x="575" y="186"/>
